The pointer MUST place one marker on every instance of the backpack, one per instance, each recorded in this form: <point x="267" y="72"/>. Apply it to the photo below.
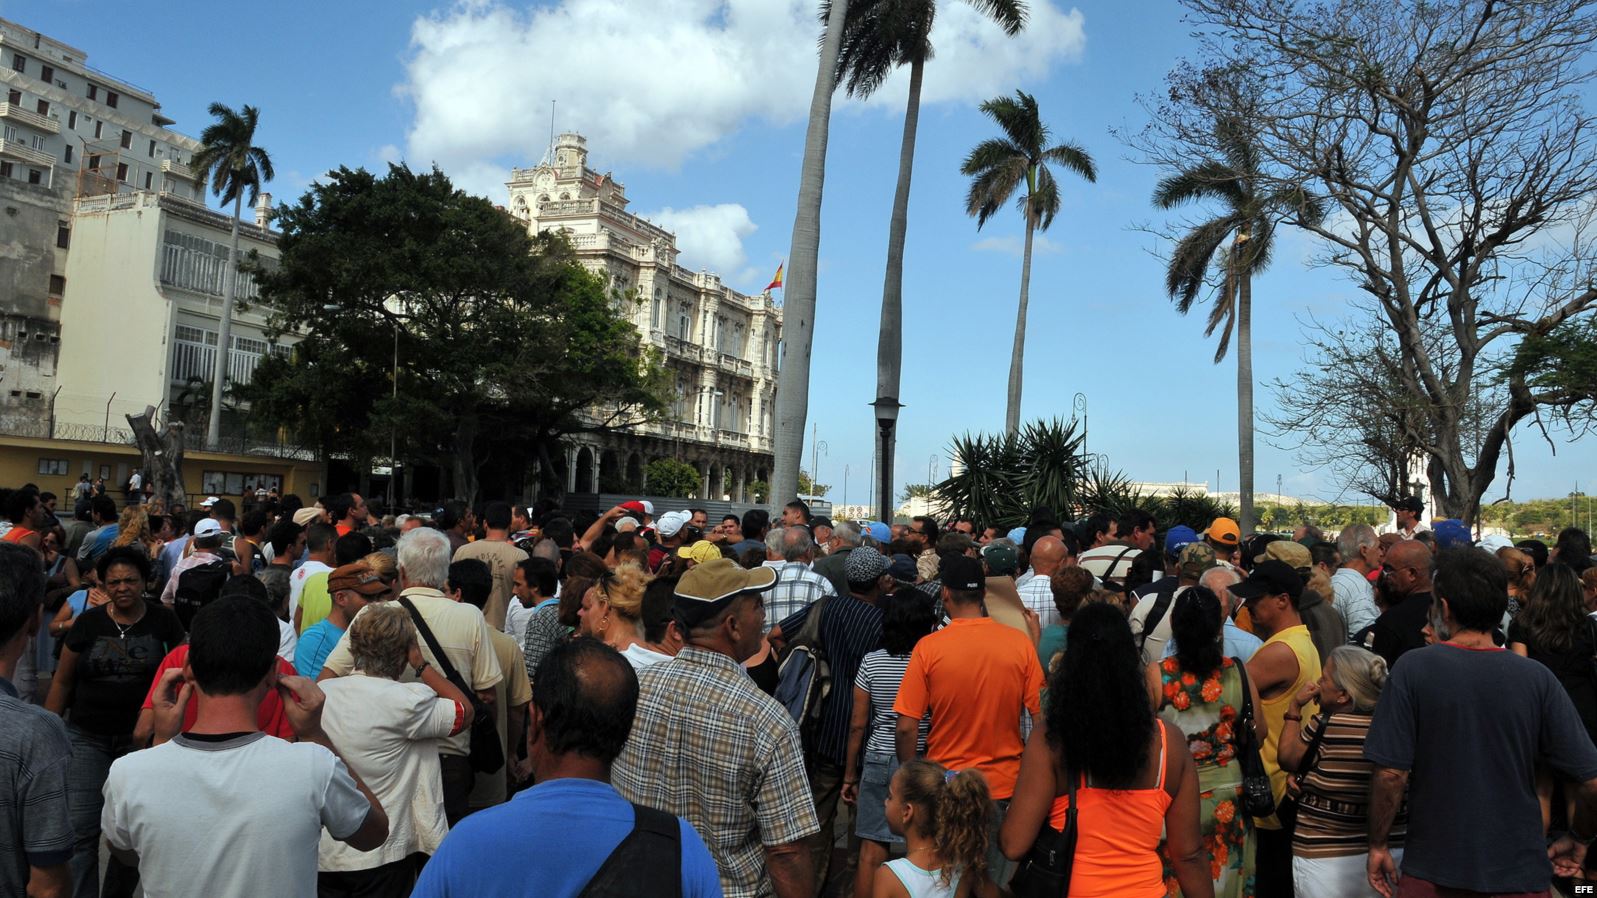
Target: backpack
<point x="199" y="586"/>
<point x="804" y="679"/>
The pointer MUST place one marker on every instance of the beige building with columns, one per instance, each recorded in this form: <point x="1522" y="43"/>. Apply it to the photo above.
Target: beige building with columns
<point x="720" y="346"/>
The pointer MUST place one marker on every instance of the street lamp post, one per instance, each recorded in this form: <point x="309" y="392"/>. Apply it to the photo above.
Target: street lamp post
<point x="1079" y="402"/>
<point x="886" y="418"/>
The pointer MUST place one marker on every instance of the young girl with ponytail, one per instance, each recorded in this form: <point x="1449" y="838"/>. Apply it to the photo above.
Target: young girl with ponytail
<point x="943" y="817"/>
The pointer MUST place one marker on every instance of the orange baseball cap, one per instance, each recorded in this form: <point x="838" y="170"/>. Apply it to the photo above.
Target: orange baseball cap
<point x="1224" y="531"/>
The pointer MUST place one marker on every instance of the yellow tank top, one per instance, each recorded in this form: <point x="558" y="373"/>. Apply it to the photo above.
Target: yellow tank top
<point x="1273" y="709"/>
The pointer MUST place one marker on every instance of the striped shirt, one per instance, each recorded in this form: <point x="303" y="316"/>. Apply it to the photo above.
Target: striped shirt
<point x="1333" y="810"/>
<point x="709" y="746"/>
<point x="879" y="676"/>
<point x="796" y="588"/>
<point x="849" y="629"/>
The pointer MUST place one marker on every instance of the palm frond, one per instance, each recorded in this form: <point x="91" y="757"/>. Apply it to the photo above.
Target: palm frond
<point x="1208" y="180"/>
<point x="991" y="189"/>
<point x="1073" y="157"/>
<point x="1009" y="14"/>
<point x="1043" y="205"/>
<point x="991" y="153"/>
<point x="1019" y="119"/>
<point x="1188" y="269"/>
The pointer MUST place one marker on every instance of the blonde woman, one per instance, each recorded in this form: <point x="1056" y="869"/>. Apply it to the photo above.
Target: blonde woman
<point x="134" y="530"/>
<point x="1330" y="847"/>
<point x="612" y="612"/>
<point x="388" y="732"/>
<point x="1521" y="570"/>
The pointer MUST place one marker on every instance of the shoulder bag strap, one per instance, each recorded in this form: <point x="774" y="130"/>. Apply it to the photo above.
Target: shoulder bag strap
<point x="1312" y="756"/>
<point x="810" y="634"/>
<point x="654" y="844"/>
<point x="448" y="669"/>
<point x="1246" y="721"/>
<point x="1161" y="606"/>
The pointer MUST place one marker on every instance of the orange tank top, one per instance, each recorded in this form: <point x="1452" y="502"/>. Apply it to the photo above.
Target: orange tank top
<point x="1117" y="841"/>
<point x="17" y="534"/>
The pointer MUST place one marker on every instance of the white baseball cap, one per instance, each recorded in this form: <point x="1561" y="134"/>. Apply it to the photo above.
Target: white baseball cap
<point x="671" y="523"/>
<point x="207" y="527"/>
<point x="209" y="501"/>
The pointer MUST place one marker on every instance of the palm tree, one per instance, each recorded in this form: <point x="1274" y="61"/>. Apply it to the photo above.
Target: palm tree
<point x="1251" y="206"/>
<point x="792" y="403"/>
<point x="879" y="36"/>
<point x="233" y="165"/>
<point x="999" y="166"/>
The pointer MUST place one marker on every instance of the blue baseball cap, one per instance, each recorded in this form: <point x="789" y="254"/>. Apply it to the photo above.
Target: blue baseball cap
<point x="1018" y="536"/>
<point x="878" y="531"/>
<point x="1450" y="533"/>
<point x="1178" y="536"/>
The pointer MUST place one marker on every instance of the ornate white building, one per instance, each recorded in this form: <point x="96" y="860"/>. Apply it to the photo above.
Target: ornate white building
<point x="719" y="345"/>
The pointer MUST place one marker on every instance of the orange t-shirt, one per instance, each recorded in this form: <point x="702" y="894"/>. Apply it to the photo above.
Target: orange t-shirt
<point x="975" y="675"/>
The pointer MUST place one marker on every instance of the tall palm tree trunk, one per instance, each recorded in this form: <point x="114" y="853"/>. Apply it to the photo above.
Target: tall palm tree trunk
<point x="1245" y="400"/>
<point x="890" y="336"/>
<point x="224" y="341"/>
<point x="792" y="403"/>
<point x="1017" y="355"/>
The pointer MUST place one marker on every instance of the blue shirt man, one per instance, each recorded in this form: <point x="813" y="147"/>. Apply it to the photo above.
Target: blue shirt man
<point x="585" y="695"/>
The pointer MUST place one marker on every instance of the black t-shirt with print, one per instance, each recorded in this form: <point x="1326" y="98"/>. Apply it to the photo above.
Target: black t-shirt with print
<point x="114" y="672"/>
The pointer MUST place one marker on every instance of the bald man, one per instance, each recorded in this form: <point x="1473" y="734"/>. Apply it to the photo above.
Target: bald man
<point x="1408" y="589"/>
<point x="1049" y="556"/>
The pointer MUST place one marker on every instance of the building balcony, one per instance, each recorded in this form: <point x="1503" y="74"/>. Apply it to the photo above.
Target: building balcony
<point x="26" y="153"/>
<point x="177" y="170"/>
<point x="13" y="112"/>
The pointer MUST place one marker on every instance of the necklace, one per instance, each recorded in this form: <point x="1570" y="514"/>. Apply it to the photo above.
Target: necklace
<point x="121" y="631"/>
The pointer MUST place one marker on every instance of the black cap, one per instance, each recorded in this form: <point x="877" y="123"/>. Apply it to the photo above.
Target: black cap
<point x="962" y="572"/>
<point x="821" y="520"/>
<point x="1409" y="503"/>
<point x="1269" y="578"/>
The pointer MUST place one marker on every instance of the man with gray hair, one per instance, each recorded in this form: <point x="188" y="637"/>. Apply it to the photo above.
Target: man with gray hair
<point x="1361" y="555"/>
<point x="790" y="551"/>
<point x="1239" y="643"/>
<point x="846" y="537"/>
<point x="459" y="629"/>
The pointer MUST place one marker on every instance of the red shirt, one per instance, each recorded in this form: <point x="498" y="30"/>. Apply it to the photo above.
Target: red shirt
<point x="269" y="717"/>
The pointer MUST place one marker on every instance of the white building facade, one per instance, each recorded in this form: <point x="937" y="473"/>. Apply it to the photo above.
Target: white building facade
<point x="111" y="266"/>
<point x="719" y="346"/>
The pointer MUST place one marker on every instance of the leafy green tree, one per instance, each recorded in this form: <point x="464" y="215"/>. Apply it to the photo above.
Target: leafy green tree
<point x="1250" y="208"/>
<point x="669" y="477"/>
<point x="231" y="163"/>
<point x="879" y="36"/>
<point x="504" y="342"/>
<point x="998" y="167"/>
<point x="917" y="491"/>
<point x="808" y="487"/>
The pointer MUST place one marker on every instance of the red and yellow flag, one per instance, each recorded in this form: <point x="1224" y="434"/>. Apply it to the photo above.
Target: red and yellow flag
<point x="776" y="282"/>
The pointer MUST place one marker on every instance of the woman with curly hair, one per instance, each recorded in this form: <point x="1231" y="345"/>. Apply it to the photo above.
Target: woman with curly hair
<point x="1134" y="777"/>
<point x="134" y="530"/>
<point x="1199" y="691"/>
<point x="612" y="612"/>
<point x="942" y="816"/>
<point x="1521" y="570"/>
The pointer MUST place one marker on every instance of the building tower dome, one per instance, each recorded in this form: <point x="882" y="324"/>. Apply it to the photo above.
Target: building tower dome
<point x="571" y="152"/>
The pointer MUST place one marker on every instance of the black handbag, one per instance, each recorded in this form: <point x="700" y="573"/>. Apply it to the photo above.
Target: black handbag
<point x="1045" y="871"/>
<point x="1257" y="798"/>
<point x="487" y="753"/>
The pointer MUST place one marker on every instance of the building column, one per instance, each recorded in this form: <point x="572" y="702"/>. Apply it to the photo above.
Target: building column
<point x="571" y="469"/>
<point x="704" y="479"/>
<point x="738" y="485"/>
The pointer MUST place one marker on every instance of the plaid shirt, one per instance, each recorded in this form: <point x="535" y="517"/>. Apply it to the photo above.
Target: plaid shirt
<point x="708" y="745"/>
<point x="796" y="588"/>
<point x="1038" y="595"/>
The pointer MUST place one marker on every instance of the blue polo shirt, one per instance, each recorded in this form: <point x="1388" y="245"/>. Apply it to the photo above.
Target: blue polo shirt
<point x="575" y="824"/>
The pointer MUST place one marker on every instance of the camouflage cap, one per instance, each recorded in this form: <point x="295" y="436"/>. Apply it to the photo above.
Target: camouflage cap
<point x="1195" y="559"/>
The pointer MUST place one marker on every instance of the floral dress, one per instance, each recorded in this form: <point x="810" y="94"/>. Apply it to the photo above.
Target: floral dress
<point x="1207" y="713"/>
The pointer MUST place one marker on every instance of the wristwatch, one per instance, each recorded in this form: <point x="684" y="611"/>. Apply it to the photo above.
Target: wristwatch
<point x="422" y="667"/>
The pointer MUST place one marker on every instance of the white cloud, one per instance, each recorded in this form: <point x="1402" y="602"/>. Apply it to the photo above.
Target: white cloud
<point x="709" y="236"/>
<point x="652" y="83"/>
<point x="1015" y="245"/>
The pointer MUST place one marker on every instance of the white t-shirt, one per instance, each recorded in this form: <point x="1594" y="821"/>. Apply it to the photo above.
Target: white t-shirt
<point x="1153" y="648"/>
<point x="640" y="657"/>
<point x="228" y="818"/>
<point x="516" y="616"/>
<point x="388" y="732"/>
<point x="296" y="582"/>
<point x="287" y="641"/>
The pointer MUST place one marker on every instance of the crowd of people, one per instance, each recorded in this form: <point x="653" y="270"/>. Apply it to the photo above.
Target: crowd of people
<point x="504" y="700"/>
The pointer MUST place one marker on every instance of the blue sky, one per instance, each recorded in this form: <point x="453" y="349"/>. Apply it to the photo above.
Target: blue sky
<point x="698" y="106"/>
